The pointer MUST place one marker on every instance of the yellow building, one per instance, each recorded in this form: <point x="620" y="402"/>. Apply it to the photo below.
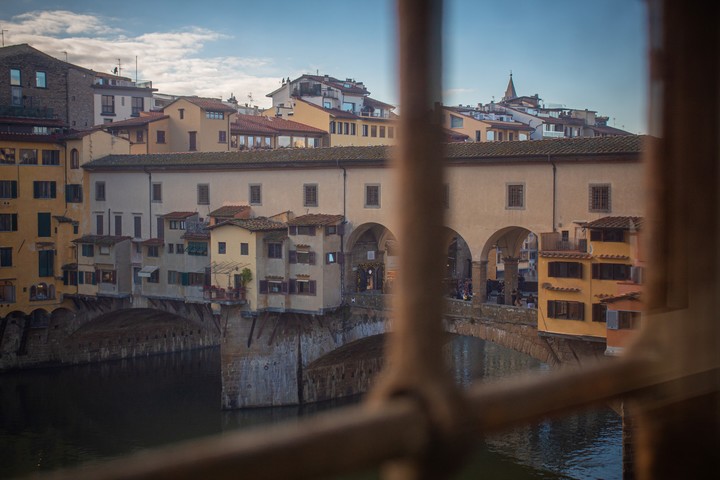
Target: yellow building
<point x="576" y="275"/>
<point x="147" y="133"/>
<point x="480" y="126"/>
<point x="198" y="124"/>
<point x="43" y="207"/>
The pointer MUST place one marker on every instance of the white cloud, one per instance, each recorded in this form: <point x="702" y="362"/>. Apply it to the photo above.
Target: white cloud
<point x="172" y="60"/>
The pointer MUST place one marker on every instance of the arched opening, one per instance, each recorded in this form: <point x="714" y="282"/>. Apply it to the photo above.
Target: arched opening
<point x="39" y="318"/>
<point x="458" y="267"/>
<point x="373" y="259"/>
<point x="74" y="159"/>
<point x="508" y="268"/>
<point x="42" y="291"/>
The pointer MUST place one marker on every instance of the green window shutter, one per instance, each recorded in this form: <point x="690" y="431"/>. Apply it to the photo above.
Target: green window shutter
<point x="13" y="189"/>
<point x="44" y="224"/>
<point x="53" y="190"/>
<point x="184" y="278"/>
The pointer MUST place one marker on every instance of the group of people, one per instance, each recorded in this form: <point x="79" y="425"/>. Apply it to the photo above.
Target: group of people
<point x="517" y="299"/>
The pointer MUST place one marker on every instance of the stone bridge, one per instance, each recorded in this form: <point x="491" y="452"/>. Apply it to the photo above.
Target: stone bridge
<point x="94" y="329"/>
<point x="288" y="359"/>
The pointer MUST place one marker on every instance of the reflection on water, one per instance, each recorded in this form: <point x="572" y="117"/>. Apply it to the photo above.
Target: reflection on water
<point x="60" y="417"/>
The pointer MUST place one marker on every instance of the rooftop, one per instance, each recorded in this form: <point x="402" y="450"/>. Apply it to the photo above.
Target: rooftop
<point x="105" y="240"/>
<point x="228" y="210"/>
<point x="624" y="223"/>
<point x="315" y="219"/>
<point x="259" y="224"/>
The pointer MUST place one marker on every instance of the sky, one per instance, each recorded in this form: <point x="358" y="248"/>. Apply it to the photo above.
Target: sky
<point x="572" y="53"/>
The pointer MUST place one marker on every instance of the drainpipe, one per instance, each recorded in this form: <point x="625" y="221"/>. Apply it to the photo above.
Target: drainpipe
<point x="149" y="201"/>
<point x="554" y="193"/>
<point x="342" y="236"/>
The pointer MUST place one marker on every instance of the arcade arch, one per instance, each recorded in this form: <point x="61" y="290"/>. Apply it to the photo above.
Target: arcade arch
<point x="372" y="262"/>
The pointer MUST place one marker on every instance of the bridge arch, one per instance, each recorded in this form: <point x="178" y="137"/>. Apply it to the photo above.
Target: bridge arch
<point x="508" y="260"/>
<point x="371" y="258"/>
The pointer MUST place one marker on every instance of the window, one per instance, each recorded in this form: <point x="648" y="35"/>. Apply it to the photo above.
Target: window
<point x="8" y="189"/>
<point x="177" y="224"/>
<point x="331" y="257"/>
<point x="373" y="130"/>
<point x="456" y="122"/>
<point x="40" y="80"/>
<point x="157" y="192"/>
<point x="118" y="225"/>
<point x="138" y="105"/>
<point x="610" y="271"/>
<point x="108" y="105"/>
<point x="222" y="248"/>
<point x="346" y="129"/>
<point x="180" y="248"/>
<point x="74" y="159"/>
<point x="372" y="196"/>
<point x="8" y="222"/>
<point x="197" y="249"/>
<point x="599" y="311"/>
<point x="137" y="226"/>
<point x="44" y="189"/>
<point x="599" y="198"/>
<point x="154" y="277"/>
<point x="490" y="136"/>
<point x="42" y="291"/>
<point x="500" y="136"/>
<point x="7" y="292"/>
<point x="139" y="136"/>
<point x="99" y="222"/>
<point x="153" y="251"/>
<point x="391" y="132"/>
<point x="478" y="135"/>
<point x="303" y="287"/>
<point x="275" y="287"/>
<point x="203" y="194"/>
<point x="173" y="277"/>
<point x="565" y="310"/>
<point x="5" y="256"/>
<point x="7" y="156"/>
<point x="515" y="196"/>
<point x="222" y="136"/>
<point x="192" y="141"/>
<point x="160" y="136"/>
<point x="16" y="96"/>
<point x="364" y="130"/>
<point x="255" y="194"/>
<point x="215" y="115"/>
<point x="15" y="77"/>
<point x="274" y="250"/>
<point x="331" y="230"/>
<point x="46" y="262"/>
<point x="181" y="112"/>
<point x="382" y="132"/>
<point x="87" y="250"/>
<point x="73" y="193"/>
<point x="28" y="156"/>
<point x="100" y="191"/>
<point x="302" y="257"/>
<point x="310" y="195"/>
<point x="352" y="129"/>
<point x="43" y="221"/>
<point x="244" y="249"/>
<point x="332" y="126"/>
<point x="565" y="269"/>
<point x="607" y="235"/>
<point x="51" y="157"/>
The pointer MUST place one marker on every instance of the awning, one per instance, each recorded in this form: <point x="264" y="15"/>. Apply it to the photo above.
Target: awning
<point x="146" y="271"/>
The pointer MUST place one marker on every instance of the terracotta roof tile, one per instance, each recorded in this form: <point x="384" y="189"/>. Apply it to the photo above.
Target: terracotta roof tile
<point x="143" y="119"/>
<point x="625" y="223"/>
<point x="258" y="224"/>
<point x="179" y="215"/>
<point x="228" y="210"/>
<point x="576" y="255"/>
<point x="612" y="257"/>
<point x="153" y="242"/>
<point x="552" y="288"/>
<point x="625" y="296"/>
<point x="270" y="125"/>
<point x="107" y="240"/>
<point x="315" y="219"/>
<point x="567" y="149"/>
<point x="208" y="104"/>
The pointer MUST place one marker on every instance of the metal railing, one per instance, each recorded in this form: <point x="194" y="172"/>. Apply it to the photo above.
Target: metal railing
<point x="416" y="424"/>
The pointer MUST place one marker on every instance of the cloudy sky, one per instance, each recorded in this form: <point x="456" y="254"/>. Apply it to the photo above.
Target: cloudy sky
<point x="575" y="53"/>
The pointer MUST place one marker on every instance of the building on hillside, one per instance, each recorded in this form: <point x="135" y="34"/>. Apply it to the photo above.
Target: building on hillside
<point x="257" y="131"/>
<point x="480" y="126"/>
<point x="344" y="109"/>
<point x="580" y="273"/>
<point x="147" y="133"/>
<point x="198" y="124"/>
<point x="119" y="98"/>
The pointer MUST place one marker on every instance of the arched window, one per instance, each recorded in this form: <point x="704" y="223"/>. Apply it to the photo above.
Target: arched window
<point x="74" y="158"/>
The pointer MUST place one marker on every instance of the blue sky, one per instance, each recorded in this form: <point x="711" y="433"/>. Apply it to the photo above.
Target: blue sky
<point x="576" y="53"/>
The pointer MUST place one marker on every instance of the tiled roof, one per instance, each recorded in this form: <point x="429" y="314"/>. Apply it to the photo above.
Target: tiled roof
<point x="615" y="298"/>
<point x="179" y="215"/>
<point x="564" y="149"/>
<point x="576" y="255"/>
<point x="552" y="288"/>
<point x="509" y="125"/>
<point x="106" y="240"/>
<point x="376" y="103"/>
<point x="564" y="121"/>
<point x="196" y="235"/>
<point x="315" y="219"/>
<point x="228" y="210"/>
<point x="143" y="119"/>
<point x="207" y="104"/>
<point x="35" y="121"/>
<point x="612" y="257"/>
<point x="258" y="224"/>
<point x="30" y="137"/>
<point x="606" y="130"/>
<point x="276" y="236"/>
<point x="270" y="125"/>
<point x="153" y="242"/>
<point x="625" y="223"/>
<point x="63" y="219"/>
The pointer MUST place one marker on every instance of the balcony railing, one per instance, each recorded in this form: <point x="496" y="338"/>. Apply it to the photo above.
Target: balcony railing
<point x="224" y="295"/>
<point x="553" y="242"/>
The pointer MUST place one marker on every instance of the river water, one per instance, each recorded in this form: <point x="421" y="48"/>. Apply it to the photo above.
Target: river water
<point x="60" y="417"/>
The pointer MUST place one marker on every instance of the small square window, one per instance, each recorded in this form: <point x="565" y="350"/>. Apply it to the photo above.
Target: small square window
<point x="244" y="249"/>
<point x="274" y="250"/>
<point x="255" y="194"/>
<point x="222" y="248"/>
<point x="599" y="198"/>
<point x="310" y="195"/>
<point x="40" y="80"/>
<point x="515" y="196"/>
<point x="203" y="194"/>
<point x="372" y="196"/>
<point x="157" y="192"/>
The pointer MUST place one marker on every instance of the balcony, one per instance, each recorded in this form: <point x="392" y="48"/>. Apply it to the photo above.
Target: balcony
<point x="552" y="134"/>
<point x="553" y="242"/>
<point x="227" y="296"/>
